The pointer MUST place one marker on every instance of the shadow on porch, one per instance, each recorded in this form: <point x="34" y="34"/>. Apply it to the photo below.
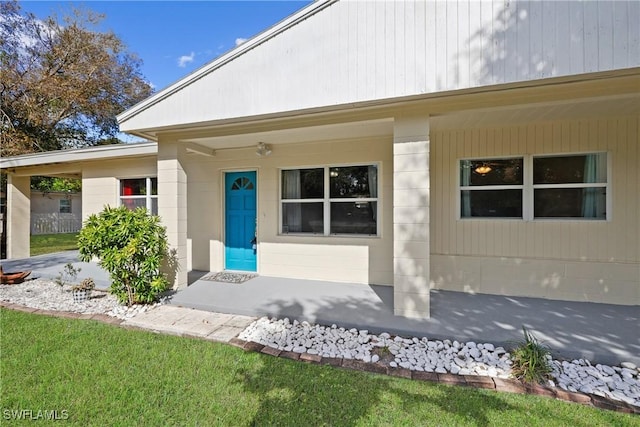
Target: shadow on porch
<point x="602" y="333"/>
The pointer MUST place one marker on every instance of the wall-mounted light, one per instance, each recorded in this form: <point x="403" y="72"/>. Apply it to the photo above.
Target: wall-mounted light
<point x="483" y="169"/>
<point x="263" y="149"/>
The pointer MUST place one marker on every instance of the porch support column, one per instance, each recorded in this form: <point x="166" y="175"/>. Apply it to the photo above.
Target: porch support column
<point x="172" y="207"/>
<point x="411" y="216"/>
<point x="18" y="216"/>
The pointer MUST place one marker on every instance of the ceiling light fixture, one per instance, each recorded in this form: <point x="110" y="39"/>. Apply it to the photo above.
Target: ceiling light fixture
<point x="263" y="149"/>
<point x="483" y="169"/>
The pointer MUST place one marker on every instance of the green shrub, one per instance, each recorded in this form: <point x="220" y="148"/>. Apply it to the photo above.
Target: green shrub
<point x="131" y="246"/>
<point x="531" y="360"/>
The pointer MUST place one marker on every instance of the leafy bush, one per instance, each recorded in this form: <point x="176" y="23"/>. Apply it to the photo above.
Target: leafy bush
<point x="131" y="246"/>
<point x="531" y="360"/>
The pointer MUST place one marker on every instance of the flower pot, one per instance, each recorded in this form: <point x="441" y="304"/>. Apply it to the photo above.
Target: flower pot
<point x="80" y="295"/>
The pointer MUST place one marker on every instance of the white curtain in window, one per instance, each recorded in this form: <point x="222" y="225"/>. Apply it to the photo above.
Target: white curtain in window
<point x="465" y="180"/>
<point x="595" y="171"/>
<point x="373" y="186"/>
<point x="291" y="189"/>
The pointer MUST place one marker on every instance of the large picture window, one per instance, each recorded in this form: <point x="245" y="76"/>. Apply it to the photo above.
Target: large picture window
<point x="140" y="192"/>
<point x="330" y="200"/>
<point x="535" y="187"/>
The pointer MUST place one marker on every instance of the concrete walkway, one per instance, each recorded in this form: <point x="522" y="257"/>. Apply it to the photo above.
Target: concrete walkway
<point x="187" y="322"/>
<point x="49" y="266"/>
<point x="602" y="333"/>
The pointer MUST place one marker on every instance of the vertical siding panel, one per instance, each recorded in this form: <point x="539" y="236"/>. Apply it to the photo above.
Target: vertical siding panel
<point x="429" y="46"/>
<point x="522" y="32"/>
<point x="486" y="51"/>
<point x="605" y="35"/>
<point x="463" y="41"/>
<point x="617" y="237"/>
<point x="591" y="44"/>
<point x="451" y="56"/>
<point x="463" y="228"/>
<point x="511" y="56"/>
<point x="441" y="45"/>
<point x="563" y="38"/>
<point x="419" y="52"/>
<point x="498" y="36"/>
<point x="475" y="44"/>
<point x="535" y="40"/>
<point x="380" y="77"/>
<point x="409" y="48"/>
<point x="549" y="38"/>
<point x="634" y="33"/>
<point x="399" y="49"/>
<point x="576" y="24"/>
<point x="446" y="189"/>
<point x="621" y="34"/>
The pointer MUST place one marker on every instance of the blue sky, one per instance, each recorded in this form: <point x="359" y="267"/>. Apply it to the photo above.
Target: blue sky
<point x="174" y="38"/>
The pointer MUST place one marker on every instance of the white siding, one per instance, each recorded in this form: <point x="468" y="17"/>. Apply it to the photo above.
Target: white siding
<point x="356" y="51"/>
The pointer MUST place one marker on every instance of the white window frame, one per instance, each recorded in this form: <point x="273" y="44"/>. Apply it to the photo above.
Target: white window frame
<point x="148" y="196"/>
<point x="327" y="200"/>
<point x="60" y="205"/>
<point x="528" y="188"/>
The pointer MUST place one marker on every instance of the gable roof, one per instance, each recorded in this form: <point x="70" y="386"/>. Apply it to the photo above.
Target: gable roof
<point x="341" y="54"/>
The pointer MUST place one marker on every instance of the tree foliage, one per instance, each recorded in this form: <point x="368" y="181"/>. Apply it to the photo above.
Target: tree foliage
<point x="55" y="184"/>
<point x="131" y="246"/>
<point x="62" y="82"/>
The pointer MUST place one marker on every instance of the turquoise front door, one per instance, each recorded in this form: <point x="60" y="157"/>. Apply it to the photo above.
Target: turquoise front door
<point x="240" y="221"/>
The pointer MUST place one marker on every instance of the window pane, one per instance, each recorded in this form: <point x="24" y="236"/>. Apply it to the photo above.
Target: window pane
<point x="570" y="203"/>
<point x="154" y="186"/>
<point x="491" y="203"/>
<point x="354" y="218"/>
<point x="154" y="205"/>
<point x="588" y="168"/>
<point x="65" y="206"/>
<point x="302" y="218"/>
<point x="491" y="172"/>
<point x="132" y="204"/>
<point x="133" y="187"/>
<point x="303" y="184"/>
<point x="354" y="182"/>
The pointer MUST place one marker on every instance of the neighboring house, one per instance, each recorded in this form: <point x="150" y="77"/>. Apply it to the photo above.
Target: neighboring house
<point x="55" y="212"/>
<point x="481" y="147"/>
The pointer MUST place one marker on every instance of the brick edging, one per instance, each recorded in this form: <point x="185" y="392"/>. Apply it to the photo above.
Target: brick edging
<point x="64" y="314"/>
<point x="475" y="381"/>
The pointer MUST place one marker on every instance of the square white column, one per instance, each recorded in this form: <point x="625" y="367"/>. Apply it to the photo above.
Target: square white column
<point x="411" y="217"/>
<point x="18" y="216"/>
<point x="172" y="205"/>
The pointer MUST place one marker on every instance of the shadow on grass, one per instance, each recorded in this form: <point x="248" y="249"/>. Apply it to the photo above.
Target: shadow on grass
<point x="295" y="393"/>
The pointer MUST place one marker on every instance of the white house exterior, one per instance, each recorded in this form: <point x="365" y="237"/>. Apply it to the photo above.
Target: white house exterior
<point x="482" y="147"/>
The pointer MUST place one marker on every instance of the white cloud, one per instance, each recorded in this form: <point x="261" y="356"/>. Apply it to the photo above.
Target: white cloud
<point x="186" y="59"/>
<point x="239" y="41"/>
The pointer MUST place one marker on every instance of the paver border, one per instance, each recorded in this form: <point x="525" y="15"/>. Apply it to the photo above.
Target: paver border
<point x="475" y="381"/>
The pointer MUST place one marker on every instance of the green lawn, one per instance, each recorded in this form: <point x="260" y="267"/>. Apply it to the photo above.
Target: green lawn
<point x="106" y="375"/>
<point x="48" y="243"/>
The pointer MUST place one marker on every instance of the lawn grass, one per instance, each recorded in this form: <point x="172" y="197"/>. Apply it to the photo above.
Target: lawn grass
<point x="106" y="375"/>
<point x="49" y="243"/>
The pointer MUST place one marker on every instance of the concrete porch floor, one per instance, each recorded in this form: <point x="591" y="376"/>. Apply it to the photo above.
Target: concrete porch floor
<point x="602" y="333"/>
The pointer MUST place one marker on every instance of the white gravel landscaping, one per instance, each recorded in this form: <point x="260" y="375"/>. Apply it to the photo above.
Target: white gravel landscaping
<point x="47" y="295"/>
<point x="441" y="356"/>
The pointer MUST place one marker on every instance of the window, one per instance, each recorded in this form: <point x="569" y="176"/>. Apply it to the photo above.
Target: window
<point x="535" y="187"/>
<point x="140" y="192"/>
<point x="330" y="200"/>
<point x="491" y="188"/>
<point x="65" y="205"/>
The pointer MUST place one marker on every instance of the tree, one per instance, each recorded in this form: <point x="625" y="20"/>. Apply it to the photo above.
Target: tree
<point x="61" y="82"/>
